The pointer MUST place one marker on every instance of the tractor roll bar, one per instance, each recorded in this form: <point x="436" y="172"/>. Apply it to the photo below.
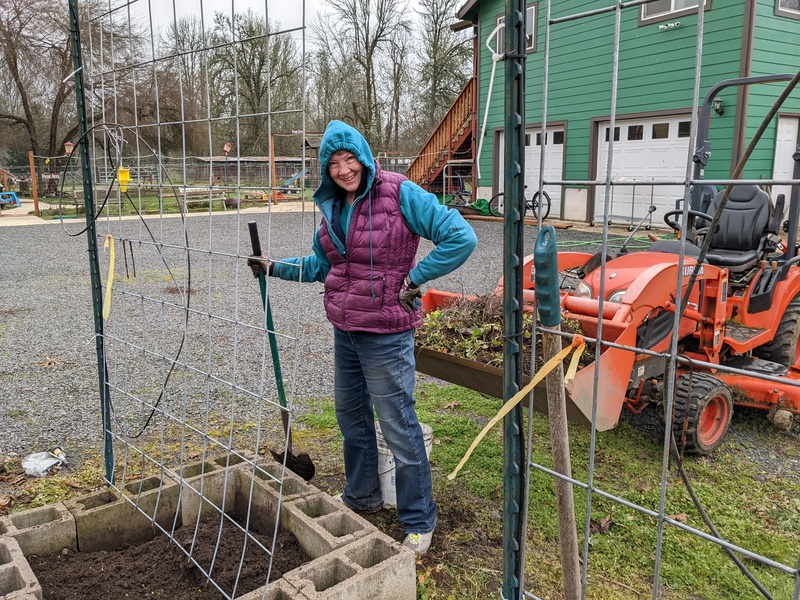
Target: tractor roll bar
<point x="703" y="147"/>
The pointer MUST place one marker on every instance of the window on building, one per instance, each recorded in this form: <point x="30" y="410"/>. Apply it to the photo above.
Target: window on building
<point x="635" y="132"/>
<point x="684" y="129"/>
<point x="558" y="138"/>
<point x="788" y="8"/>
<point x="530" y="31"/>
<point x="665" y="9"/>
<point x="616" y="133"/>
<point x="660" y="131"/>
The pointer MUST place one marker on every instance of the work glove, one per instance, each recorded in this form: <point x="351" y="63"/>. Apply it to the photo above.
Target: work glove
<point x="259" y="264"/>
<point x="408" y="294"/>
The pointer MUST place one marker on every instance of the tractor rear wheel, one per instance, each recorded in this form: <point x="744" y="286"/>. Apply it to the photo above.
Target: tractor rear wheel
<point x="783" y="348"/>
<point x="702" y="412"/>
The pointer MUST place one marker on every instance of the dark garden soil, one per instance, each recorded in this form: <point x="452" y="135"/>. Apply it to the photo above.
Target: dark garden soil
<point x="160" y="569"/>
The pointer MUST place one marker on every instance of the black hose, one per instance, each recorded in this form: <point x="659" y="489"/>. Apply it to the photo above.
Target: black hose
<point x="709" y="523"/>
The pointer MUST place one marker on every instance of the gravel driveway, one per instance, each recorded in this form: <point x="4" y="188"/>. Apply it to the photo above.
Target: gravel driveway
<point x="48" y="361"/>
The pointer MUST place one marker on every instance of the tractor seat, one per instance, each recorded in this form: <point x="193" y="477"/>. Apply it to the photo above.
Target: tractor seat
<point x="739" y="241"/>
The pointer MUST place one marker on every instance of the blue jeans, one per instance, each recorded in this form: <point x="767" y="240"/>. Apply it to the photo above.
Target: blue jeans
<point x="377" y="370"/>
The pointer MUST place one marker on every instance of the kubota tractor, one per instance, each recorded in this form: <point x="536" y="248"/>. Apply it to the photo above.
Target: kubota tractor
<point x="738" y="333"/>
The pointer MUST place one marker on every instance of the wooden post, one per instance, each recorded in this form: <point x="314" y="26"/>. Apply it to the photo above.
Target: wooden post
<point x="559" y="441"/>
<point x="273" y="170"/>
<point x="34" y="190"/>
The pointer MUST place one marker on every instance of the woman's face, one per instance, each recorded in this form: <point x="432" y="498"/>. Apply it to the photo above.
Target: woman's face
<point x="345" y="170"/>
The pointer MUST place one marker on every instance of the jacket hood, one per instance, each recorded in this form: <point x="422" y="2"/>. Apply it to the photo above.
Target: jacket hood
<point x="341" y="136"/>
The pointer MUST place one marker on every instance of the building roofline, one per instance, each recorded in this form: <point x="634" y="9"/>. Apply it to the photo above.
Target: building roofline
<point x="468" y="7"/>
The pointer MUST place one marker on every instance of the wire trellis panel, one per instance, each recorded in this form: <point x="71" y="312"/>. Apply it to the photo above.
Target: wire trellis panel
<point x="608" y="502"/>
<point x="173" y="136"/>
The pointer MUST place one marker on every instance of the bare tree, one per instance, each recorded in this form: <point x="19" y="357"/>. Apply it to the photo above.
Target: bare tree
<point x="399" y="79"/>
<point x="256" y="70"/>
<point x="446" y="62"/>
<point x="364" y="32"/>
<point x="186" y="54"/>
<point x="35" y="44"/>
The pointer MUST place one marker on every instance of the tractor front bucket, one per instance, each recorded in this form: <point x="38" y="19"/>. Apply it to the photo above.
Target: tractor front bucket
<point x="613" y="369"/>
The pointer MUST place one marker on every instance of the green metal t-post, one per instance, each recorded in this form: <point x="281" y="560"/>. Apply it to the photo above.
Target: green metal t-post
<point x="514" y="467"/>
<point x="91" y="236"/>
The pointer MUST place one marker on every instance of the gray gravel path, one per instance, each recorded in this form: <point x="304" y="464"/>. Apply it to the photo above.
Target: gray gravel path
<point x="48" y="368"/>
<point x="48" y="365"/>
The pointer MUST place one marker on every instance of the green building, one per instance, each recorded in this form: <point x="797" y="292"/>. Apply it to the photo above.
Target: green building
<point x="655" y="85"/>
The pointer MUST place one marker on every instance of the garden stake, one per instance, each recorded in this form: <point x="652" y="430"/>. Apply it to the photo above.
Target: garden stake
<point x="549" y="305"/>
<point x="302" y="463"/>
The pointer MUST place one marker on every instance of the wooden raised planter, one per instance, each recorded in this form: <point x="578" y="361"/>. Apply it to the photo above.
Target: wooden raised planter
<point x="482" y="378"/>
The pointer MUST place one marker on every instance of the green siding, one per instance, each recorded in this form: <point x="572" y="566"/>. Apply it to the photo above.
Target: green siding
<point x="656" y="73"/>
<point x="775" y="50"/>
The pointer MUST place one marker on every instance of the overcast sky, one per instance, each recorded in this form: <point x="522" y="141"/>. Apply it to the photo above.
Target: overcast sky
<point x="288" y="12"/>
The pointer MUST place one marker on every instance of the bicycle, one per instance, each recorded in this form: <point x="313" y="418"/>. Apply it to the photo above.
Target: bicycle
<point x="497" y="206"/>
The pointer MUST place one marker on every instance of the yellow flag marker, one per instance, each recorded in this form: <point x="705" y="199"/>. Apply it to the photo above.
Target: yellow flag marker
<point x="578" y="343"/>
<point x="124" y="177"/>
<point x="107" y="302"/>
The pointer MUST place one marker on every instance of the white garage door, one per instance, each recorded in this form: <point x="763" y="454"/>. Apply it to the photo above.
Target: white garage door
<point x="785" y="145"/>
<point x="553" y="164"/>
<point x="645" y="150"/>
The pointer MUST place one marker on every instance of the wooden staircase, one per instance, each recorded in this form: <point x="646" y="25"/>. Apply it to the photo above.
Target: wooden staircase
<point x="451" y="140"/>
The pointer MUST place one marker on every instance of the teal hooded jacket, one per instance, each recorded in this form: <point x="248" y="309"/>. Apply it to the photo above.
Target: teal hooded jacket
<point x="452" y="236"/>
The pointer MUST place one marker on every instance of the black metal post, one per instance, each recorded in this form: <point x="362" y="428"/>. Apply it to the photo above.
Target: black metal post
<point x="91" y="236"/>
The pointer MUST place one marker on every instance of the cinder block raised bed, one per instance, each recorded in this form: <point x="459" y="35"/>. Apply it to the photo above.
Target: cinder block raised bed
<point x="350" y="558"/>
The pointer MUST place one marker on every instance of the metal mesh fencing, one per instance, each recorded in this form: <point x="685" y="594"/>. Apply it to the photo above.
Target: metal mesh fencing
<point x="602" y="500"/>
<point x="184" y="114"/>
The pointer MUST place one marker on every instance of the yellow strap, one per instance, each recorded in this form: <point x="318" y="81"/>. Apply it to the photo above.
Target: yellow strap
<point x="107" y="303"/>
<point x="578" y="343"/>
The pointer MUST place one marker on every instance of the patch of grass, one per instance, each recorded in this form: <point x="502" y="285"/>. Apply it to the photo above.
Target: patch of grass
<point x="752" y="509"/>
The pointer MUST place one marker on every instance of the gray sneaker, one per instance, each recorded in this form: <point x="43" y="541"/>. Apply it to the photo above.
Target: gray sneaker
<point x="418" y="542"/>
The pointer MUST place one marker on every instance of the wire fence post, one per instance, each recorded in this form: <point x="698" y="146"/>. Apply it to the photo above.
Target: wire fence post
<point x="91" y="236"/>
<point x="513" y="443"/>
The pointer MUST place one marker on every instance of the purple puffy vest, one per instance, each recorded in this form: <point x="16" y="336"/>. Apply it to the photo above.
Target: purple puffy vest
<point x="361" y="289"/>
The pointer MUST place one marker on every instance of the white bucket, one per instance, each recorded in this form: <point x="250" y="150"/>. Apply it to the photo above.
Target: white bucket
<point x="386" y="466"/>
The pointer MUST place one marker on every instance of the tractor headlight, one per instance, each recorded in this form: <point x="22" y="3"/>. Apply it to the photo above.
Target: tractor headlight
<point x="617" y="296"/>
<point x="582" y="290"/>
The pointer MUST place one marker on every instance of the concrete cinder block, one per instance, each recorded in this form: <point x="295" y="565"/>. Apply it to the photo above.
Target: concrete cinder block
<point x="261" y="505"/>
<point x="372" y="568"/>
<point x="158" y="499"/>
<point x="105" y="520"/>
<point x="351" y="559"/>
<point x="277" y="590"/>
<point x="42" y="531"/>
<point x="321" y="524"/>
<point x="17" y="581"/>
<point x="207" y="489"/>
<point x="269" y="472"/>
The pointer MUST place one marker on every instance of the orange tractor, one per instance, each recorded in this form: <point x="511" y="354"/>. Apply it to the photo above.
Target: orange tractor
<point x="737" y="336"/>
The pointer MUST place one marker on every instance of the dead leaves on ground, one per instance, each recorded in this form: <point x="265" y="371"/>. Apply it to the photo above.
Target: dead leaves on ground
<point x="8" y="502"/>
<point x="601" y="526"/>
